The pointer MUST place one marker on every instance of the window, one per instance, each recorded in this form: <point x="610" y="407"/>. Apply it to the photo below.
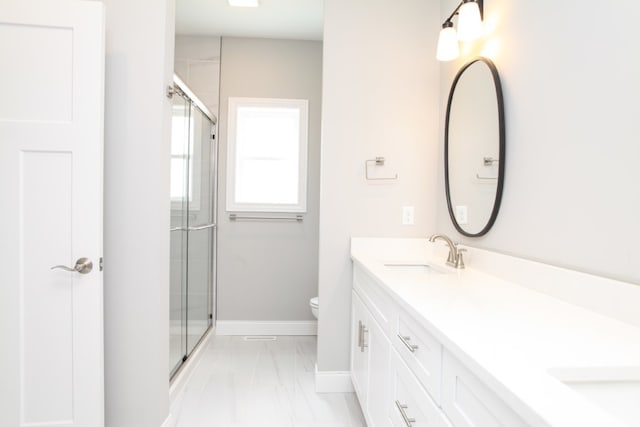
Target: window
<point x="181" y="157"/>
<point x="190" y="128"/>
<point x="267" y="155"/>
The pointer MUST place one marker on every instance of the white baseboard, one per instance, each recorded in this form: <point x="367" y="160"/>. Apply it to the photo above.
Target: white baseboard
<point x="259" y="327"/>
<point x="333" y="381"/>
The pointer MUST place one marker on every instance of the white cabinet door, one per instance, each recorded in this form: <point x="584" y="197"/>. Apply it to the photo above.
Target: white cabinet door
<point x="469" y="403"/>
<point x="359" y="353"/>
<point x="378" y="347"/>
<point x="369" y="363"/>
<point x="51" y="118"/>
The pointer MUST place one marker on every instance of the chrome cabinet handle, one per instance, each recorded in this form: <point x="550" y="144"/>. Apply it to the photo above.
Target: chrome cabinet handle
<point x="361" y="331"/>
<point x="83" y="266"/>
<point x="361" y="335"/>
<point x="408" y="421"/>
<point x="405" y="340"/>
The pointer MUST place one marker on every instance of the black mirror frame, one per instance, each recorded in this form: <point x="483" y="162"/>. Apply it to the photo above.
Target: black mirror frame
<point x="500" y="183"/>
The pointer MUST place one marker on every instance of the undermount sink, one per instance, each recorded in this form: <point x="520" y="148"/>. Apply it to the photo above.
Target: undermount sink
<point x="412" y="267"/>
<point x="615" y="390"/>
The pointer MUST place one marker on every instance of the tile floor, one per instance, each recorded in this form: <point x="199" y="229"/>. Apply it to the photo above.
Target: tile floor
<point x="243" y="383"/>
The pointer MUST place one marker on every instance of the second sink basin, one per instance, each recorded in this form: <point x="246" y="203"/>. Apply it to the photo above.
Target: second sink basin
<point x="616" y="390"/>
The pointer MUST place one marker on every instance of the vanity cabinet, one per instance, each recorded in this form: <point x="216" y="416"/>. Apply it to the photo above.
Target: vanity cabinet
<point x="403" y="375"/>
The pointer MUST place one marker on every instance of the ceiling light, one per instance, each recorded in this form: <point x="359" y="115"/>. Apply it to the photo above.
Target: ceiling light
<point x="244" y="3"/>
<point x="469" y="28"/>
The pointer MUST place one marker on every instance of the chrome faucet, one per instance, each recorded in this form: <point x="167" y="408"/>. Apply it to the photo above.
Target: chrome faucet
<point x="455" y="258"/>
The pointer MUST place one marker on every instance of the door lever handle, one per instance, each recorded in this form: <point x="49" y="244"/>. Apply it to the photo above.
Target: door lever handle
<point x="83" y="266"/>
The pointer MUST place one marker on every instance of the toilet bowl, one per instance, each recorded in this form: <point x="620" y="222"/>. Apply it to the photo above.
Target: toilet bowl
<point x="313" y="303"/>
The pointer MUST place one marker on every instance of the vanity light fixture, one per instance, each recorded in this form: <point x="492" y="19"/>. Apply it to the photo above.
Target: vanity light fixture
<point x="244" y="3"/>
<point x="469" y="28"/>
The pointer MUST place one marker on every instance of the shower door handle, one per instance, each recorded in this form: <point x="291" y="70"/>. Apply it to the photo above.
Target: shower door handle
<point x="202" y="227"/>
<point x="83" y="266"/>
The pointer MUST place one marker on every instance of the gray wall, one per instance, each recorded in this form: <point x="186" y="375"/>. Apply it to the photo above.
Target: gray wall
<point x="269" y="270"/>
<point x="139" y="65"/>
<point x="380" y="98"/>
<point x="571" y="88"/>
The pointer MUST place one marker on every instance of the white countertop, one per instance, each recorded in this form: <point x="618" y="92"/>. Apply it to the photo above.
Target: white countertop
<point x="509" y="335"/>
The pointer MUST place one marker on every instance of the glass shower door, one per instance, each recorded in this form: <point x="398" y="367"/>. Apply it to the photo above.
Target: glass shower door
<point x="201" y="229"/>
<point x="193" y="196"/>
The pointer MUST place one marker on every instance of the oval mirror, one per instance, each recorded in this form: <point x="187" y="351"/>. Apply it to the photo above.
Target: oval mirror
<point x="474" y="148"/>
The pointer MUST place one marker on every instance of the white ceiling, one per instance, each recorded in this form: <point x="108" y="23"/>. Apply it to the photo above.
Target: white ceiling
<point x="282" y="19"/>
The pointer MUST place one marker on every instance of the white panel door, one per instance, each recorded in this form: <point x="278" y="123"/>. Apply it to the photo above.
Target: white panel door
<point x="51" y="129"/>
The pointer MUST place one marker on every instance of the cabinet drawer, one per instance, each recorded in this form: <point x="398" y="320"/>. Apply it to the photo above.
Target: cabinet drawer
<point x="409" y="405"/>
<point x="421" y="351"/>
<point x="469" y="403"/>
<point x="378" y="302"/>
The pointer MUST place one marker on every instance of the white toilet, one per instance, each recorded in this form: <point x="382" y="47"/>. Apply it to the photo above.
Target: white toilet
<point x="313" y="303"/>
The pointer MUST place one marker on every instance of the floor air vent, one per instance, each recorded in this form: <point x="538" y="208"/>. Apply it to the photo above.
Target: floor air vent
<point x="260" y="338"/>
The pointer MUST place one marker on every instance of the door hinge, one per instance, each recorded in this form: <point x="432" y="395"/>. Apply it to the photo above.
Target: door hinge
<point x="210" y="316"/>
<point x="101" y="264"/>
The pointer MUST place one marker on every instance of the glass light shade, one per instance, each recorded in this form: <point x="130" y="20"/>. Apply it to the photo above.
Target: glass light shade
<point x="448" y="49"/>
<point x="469" y="22"/>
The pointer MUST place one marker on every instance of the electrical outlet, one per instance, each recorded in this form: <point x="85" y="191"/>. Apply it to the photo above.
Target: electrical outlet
<point x="461" y="214"/>
<point x="407" y="215"/>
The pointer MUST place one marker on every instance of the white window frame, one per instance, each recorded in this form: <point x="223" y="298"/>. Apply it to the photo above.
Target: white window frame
<point x="303" y="106"/>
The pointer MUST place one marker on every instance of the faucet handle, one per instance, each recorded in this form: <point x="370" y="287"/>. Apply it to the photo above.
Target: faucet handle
<point x="452" y="255"/>
<point x="459" y="258"/>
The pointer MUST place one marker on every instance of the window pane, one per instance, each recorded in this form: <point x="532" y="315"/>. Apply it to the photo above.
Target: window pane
<point x="266" y="181"/>
<point x="267" y="155"/>
<point x="180" y="128"/>
<point x="178" y="175"/>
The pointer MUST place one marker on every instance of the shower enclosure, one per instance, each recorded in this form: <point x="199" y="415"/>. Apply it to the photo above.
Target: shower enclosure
<point x="193" y="229"/>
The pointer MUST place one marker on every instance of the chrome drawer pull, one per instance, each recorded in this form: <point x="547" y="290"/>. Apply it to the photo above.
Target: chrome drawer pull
<point x="405" y="340"/>
<point x="408" y="421"/>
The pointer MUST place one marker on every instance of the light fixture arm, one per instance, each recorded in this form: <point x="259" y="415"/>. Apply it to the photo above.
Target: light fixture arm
<point x="455" y="11"/>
